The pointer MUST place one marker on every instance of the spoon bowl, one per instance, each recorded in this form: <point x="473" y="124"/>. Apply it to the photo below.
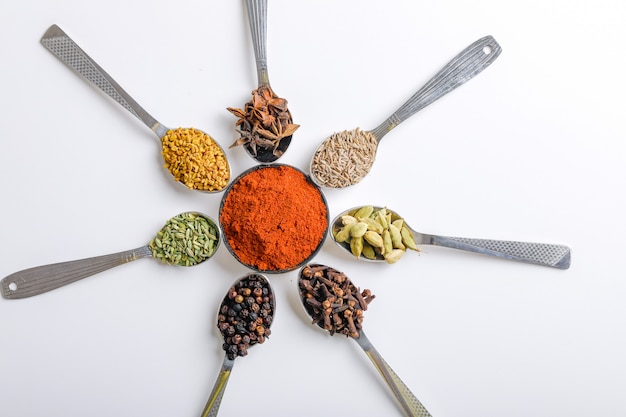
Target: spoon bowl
<point x="346" y="157"/>
<point x="209" y="177"/>
<point x="336" y="305"/>
<point x="552" y="255"/>
<point x="253" y="294"/>
<point x="164" y="246"/>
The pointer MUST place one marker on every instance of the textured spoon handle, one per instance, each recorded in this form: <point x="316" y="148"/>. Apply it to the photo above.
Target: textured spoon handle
<point x="463" y="67"/>
<point x="215" y="399"/>
<point x="257" y="16"/>
<point x="40" y="279"/>
<point x="410" y="404"/>
<point x="556" y="256"/>
<point x="64" y="48"/>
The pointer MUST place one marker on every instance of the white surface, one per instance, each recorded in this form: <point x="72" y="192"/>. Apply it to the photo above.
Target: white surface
<point x="532" y="149"/>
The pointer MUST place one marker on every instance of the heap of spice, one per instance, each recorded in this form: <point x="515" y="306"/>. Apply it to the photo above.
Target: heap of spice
<point x="344" y="158"/>
<point x="332" y="300"/>
<point x="273" y="218"/>
<point x="374" y="233"/>
<point x="186" y="239"/>
<point x="246" y="314"/>
<point x="264" y="123"/>
<point x="195" y="159"/>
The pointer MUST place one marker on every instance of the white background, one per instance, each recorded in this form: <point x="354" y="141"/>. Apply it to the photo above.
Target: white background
<point x="532" y="149"/>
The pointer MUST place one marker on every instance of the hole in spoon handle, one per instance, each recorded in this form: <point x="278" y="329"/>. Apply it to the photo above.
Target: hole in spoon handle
<point x="41" y="279"/>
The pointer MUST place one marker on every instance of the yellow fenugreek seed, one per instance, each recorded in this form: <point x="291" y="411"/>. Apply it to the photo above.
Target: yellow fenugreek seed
<point x="189" y="155"/>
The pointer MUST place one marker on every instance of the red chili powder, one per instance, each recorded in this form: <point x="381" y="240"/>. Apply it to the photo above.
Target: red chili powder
<point x="273" y="218"/>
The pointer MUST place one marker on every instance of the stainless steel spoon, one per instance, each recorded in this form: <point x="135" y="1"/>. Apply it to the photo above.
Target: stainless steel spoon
<point x="64" y="48"/>
<point x="257" y="17"/>
<point x="215" y="399"/>
<point x="403" y="395"/>
<point x="552" y="255"/>
<point x="41" y="279"/>
<point x="467" y="64"/>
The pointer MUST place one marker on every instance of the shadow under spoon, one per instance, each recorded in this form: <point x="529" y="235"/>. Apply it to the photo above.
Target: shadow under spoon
<point x="65" y="49"/>
<point x="545" y="254"/>
<point x="337" y="156"/>
<point x="257" y="17"/>
<point x="40" y="279"/>
<point x="230" y="309"/>
<point x="336" y="305"/>
<point x="407" y="400"/>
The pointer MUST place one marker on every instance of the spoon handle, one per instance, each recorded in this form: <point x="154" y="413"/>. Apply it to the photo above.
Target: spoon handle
<point x="407" y="400"/>
<point x="556" y="256"/>
<point x="215" y="399"/>
<point x="64" y="48"/>
<point x="40" y="279"/>
<point x="257" y="17"/>
<point x="463" y="67"/>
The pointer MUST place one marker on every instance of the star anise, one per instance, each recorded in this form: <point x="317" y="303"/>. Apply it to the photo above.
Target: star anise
<point x="263" y="122"/>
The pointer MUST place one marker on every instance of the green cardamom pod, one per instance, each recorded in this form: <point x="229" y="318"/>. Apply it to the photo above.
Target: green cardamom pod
<point x="373" y="225"/>
<point x="368" y="251"/>
<point x="394" y="256"/>
<point x="356" y="246"/>
<point x="394" y="216"/>
<point x="387" y="245"/>
<point x="381" y="217"/>
<point x="374" y="239"/>
<point x="348" y="220"/>
<point x="396" y="237"/>
<point x="358" y="229"/>
<point x="407" y="238"/>
<point x="364" y="211"/>
<point x="344" y="233"/>
<point x="398" y="223"/>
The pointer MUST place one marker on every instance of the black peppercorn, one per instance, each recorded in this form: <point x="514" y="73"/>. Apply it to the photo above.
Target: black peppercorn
<point x="246" y="314"/>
